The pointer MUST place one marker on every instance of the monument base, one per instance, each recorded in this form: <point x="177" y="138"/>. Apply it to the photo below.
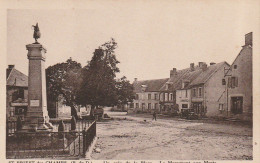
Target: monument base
<point x="43" y="127"/>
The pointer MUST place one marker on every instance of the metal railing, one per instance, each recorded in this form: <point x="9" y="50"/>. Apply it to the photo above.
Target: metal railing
<point x="67" y="144"/>
<point x="88" y="136"/>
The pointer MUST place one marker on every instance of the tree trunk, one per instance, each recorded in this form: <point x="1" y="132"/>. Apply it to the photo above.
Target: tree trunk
<point x="92" y="111"/>
<point x="74" y="111"/>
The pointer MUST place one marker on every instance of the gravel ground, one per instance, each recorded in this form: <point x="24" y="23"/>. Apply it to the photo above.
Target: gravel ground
<point x="130" y="137"/>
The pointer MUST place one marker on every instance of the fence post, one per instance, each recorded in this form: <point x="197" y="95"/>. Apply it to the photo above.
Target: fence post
<point x="84" y="142"/>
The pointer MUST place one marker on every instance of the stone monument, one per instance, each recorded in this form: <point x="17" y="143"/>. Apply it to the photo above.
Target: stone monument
<point x="37" y="118"/>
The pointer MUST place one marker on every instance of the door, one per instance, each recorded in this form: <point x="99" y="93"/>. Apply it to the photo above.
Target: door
<point x="237" y="105"/>
<point x="197" y="107"/>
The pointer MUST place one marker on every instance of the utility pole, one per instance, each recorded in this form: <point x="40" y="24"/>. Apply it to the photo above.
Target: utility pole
<point x="226" y="83"/>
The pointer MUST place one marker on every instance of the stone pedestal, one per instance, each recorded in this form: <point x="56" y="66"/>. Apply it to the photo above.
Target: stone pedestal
<point x="37" y="118"/>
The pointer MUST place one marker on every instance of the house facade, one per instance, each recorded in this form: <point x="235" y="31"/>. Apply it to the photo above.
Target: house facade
<point x="16" y="94"/>
<point x="207" y="90"/>
<point x="147" y="94"/>
<point x="183" y="93"/>
<point x="239" y="83"/>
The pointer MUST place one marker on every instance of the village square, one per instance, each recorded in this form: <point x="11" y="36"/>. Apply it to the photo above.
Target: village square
<point x="62" y="108"/>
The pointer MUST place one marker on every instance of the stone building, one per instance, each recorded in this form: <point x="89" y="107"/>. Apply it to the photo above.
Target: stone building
<point x="179" y="79"/>
<point x="147" y="94"/>
<point x="207" y="90"/>
<point x="239" y="83"/>
<point x="16" y="93"/>
<point x="183" y="93"/>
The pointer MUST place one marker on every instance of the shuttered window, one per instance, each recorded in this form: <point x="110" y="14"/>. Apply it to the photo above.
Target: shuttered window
<point x="232" y="82"/>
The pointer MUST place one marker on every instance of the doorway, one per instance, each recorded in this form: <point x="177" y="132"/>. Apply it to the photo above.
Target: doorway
<point x="237" y="105"/>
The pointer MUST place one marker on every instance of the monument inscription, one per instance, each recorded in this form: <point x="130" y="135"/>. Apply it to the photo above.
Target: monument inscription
<point x="35" y="103"/>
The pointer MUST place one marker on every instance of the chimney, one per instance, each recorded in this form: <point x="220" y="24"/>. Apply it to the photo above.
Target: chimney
<point x="200" y="64"/>
<point x="212" y="63"/>
<point x="173" y="72"/>
<point x="135" y="79"/>
<point x="204" y="67"/>
<point x="10" y="66"/>
<point x="248" y="39"/>
<point x="192" y="67"/>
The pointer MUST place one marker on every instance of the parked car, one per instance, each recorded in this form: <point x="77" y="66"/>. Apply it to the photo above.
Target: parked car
<point x="98" y="112"/>
<point x="189" y="113"/>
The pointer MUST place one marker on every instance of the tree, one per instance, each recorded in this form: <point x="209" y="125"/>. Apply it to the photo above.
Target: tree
<point x="99" y="86"/>
<point x="125" y="92"/>
<point x="60" y="80"/>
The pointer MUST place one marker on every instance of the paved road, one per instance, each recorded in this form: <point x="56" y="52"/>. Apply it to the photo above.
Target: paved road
<point x="130" y="137"/>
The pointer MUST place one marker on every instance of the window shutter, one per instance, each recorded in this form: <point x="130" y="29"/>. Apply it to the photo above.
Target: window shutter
<point x="236" y="82"/>
<point x="229" y="82"/>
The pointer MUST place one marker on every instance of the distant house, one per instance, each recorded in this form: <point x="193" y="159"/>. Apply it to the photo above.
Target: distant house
<point x="183" y="93"/>
<point x="147" y="94"/>
<point x="239" y="83"/>
<point x="16" y="93"/>
<point x="178" y="80"/>
<point x="207" y="89"/>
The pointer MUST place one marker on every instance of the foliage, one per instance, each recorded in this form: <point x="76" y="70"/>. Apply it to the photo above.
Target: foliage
<point x="124" y="91"/>
<point x="99" y="85"/>
<point x="61" y="81"/>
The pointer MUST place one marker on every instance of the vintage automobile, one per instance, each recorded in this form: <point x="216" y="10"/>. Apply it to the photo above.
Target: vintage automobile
<point x="189" y="113"/>
<point x="98" y="112"/>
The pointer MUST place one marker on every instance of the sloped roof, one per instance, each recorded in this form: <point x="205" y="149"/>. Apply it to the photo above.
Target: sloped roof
<point x="152" y="85"/>
<point x="16" y="78"/>
<point x="205" y="75"/>
<point x="239" y="54"/>
<point x="184" y="74"/>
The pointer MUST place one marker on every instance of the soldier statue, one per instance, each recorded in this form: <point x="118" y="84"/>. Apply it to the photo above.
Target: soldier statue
<point x="36" y="33"/>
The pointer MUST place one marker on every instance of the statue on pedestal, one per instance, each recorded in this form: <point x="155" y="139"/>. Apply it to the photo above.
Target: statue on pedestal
<point x="36" y="33"/>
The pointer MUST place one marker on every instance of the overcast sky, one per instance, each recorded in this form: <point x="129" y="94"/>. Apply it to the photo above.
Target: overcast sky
<point x="152" y="37"/>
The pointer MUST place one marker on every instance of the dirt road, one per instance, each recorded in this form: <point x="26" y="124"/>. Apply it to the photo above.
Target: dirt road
<point x="129" y="137"/>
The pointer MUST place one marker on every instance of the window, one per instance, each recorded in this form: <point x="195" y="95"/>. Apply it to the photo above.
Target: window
<point x="171" y="96"/>
<point x="19" y="111"/>
<point x="235" y="66"/>
<point x="185" y="84"/>
<point x="137" y="105"/>
<point x="11" y="112"/>
<point x="167" y="86"/>
<point x="166" y="96"/>
<point x="200" y="92"/>
<point x="137" y="97"/>
<point x="155" y="106"/>
<point x="143" y="105"/>
<point x="221" y="108"/>
<point x="18" y="94"/>
<point x="184" y="105"/>
<point x="155" y="96"/>
<point x="232" y="82"/>
<point x="161" y="96"/>
<point x="194" y="92"/>
<point x="149" y="96"/>
<point x="149" y="105"/>
<point x="186" y="93"/>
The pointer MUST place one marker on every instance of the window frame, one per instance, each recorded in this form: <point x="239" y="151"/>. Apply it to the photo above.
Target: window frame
<point x="149" y="96"/>
<point x="200" y="92"/>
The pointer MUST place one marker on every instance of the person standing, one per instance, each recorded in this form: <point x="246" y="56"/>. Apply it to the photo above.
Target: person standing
<point x="154" y="115"/>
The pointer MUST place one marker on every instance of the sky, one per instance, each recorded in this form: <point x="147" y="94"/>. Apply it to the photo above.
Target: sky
<point x="152" y="37"/>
